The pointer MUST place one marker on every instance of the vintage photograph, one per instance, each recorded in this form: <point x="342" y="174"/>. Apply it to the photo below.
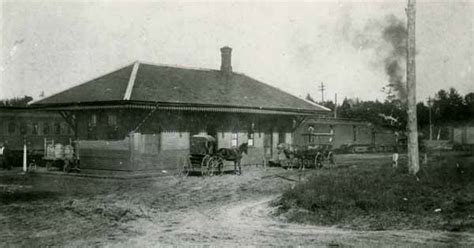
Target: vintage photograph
<point x="323" y="123"/>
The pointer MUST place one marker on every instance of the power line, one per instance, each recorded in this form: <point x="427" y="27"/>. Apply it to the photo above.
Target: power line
<point x="322" y="88"/>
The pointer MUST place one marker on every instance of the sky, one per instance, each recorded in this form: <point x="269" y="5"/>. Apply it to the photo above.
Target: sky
<point x="50" y="46"/>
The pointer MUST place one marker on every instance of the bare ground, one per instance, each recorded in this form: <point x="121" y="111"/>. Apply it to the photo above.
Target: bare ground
<point x="225" y="210"/>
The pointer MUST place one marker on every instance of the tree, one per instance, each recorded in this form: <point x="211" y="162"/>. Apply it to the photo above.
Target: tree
<point x="345" y="110"/>
<point x="449" y="106"/>
<point x="328" y="104"/>
<point x="423" y="115"/>
<point x="456" y="105"/>
<point x="469" y="106"/>
<point x="309" y="98"/>
<point x="16" y="101"/>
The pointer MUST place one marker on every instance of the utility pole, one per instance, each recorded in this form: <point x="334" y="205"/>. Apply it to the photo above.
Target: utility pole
<point x="335" y="105"/>
<point x="322" y="88"/>
<point x="413" y="156"/>
<point x="430" y="102"/>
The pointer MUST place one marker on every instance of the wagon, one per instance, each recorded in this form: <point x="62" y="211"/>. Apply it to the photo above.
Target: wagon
<point x="203" y="157"/>
<point x="313" y="155"/>
<point x="310" y="156"/>
<point x="60" y="156"/>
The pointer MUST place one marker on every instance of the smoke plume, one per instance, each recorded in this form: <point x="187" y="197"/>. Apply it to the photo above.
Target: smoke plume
<point x="388" y="39"/>
<point x="395" y="63"/>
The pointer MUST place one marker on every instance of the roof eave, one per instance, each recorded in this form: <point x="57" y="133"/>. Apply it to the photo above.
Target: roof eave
<point x="127" y="104"/>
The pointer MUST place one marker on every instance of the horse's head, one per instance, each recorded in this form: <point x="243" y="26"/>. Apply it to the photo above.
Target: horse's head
<point x="243" y="148"/>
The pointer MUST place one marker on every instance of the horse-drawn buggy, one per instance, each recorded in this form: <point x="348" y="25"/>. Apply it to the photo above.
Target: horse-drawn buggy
<point x="310" y="156"/>
<point x="204" y="157"/>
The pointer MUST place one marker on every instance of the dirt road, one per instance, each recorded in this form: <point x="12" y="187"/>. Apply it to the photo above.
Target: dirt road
<point x="249" y="223"/>
<point x="225" y="210"/>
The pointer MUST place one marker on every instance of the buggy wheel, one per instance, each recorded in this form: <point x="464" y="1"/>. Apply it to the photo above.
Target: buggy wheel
<point x="220" y="165"/>
<point x="215" y="165"/>
<point x="205" y="165"/>
<point x="210" y="167"/>
<point x="204" y="170"/>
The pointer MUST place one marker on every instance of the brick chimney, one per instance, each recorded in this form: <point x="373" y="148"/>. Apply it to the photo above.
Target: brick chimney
<point x="226" y="58"/>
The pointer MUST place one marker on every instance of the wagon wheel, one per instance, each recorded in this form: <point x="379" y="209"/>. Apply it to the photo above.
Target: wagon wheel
<point x="331" y="158"/>
<point x="295" y="163"/>
<point x="318" y="160"/>
<point x="67" y="166"/>
<point x="306" y="162"/>
<point x="282" y="163"/>
<point x="286" y="164"/>
<point x="185" y="166"/>
<point x="299" y="163"/>
<point x="204" y="165"/>
<point x="48" y="165"/>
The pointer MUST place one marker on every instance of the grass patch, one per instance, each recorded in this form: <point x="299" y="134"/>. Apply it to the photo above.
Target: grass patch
<point x="377" y="197"/>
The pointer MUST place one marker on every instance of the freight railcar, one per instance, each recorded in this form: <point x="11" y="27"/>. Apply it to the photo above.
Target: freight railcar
<point x="348" y="136"/>
<point x="22" y="125"/>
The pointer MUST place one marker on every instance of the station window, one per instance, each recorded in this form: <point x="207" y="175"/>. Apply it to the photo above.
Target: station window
<point x="57" y="128"/>
<point x="235" y="139"/>
<point x="251" y="137"/>
<point x="23" y="128"/>
<point x="112" y="120"/>
<point x="281" y="137"/>
<point x="34" y="129"/>
<point x="46" y="128"/>
<point x="93" y="120"/>
<point x="11" y="128"/>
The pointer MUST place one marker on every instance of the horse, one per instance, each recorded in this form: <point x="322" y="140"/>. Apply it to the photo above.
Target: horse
<point x="286" y="155"/>
<point x="234" y="154"/>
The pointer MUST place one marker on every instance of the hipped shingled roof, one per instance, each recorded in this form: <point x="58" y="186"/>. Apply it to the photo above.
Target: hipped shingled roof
<point x="174" y="86"/>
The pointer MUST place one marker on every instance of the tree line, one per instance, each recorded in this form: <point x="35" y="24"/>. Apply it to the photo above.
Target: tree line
<point x="446" y="106"/>
<point x="16" y="101"/>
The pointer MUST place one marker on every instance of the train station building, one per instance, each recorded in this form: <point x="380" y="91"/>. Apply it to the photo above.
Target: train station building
<point x="141" y="116"/>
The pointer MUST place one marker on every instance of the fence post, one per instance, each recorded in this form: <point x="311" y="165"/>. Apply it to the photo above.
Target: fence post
<point x="24" y="155"/>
